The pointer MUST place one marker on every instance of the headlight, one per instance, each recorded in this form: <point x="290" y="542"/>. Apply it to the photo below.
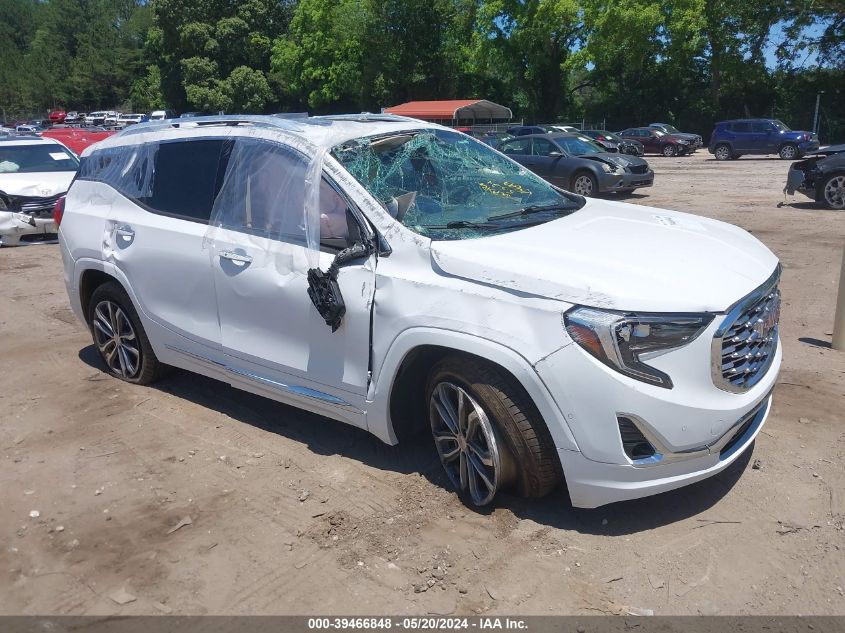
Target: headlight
<point x="612" y="169"/>
<point x="683" y="142"/>
<point x="624" y="341"/>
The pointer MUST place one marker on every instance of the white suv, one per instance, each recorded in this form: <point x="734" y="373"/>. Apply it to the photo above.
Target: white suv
<point x="396" y="275"/>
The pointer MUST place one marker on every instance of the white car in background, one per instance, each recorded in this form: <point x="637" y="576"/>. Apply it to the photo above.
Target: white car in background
<point x="35" y="173"/>
<point x="396" y="275"/>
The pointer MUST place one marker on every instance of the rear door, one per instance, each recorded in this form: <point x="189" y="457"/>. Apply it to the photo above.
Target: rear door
<point x="743" y="137"/>
<point x="275" y="341"/>
<point x="155" y="237"/>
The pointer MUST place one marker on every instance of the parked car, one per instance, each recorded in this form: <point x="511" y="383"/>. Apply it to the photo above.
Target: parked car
<point x="614" y="143"/>
<point x="577" y="165"/>
<point x="131" y="119"/>
<point x="539" y="335"/>
<point x="98" y="117"/>
<point x="494" y="139"/>
<point x="657" y="142"/>
<point x="821" y="178"/>
<point x="565" y="128"/>
<point x="34" y="173"/>
<point x="732" y="139"/>
<point x="57" y="116"/>
<point x="695" y="140"/>
<point x="160" y="115"/>
<point x="523" y="130"/>
<point x="74" y="117"/>
<point x="78" y="138"/>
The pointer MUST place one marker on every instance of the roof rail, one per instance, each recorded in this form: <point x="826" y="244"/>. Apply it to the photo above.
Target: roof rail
<point x="365" y="116"/>
<point x="226" y="120"/>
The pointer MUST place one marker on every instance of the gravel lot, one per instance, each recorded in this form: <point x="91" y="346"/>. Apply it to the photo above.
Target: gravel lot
<point x="292" y="513"/>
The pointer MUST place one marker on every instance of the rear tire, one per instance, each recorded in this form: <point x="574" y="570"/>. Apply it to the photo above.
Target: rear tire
<point x="788" y="151"/>
<point x="503" y="443"/>
<point x="722" y="152"/>
<point x="119" y="336"/>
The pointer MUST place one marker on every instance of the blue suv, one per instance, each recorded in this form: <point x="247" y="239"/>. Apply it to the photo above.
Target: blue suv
<point x="732" y="139"/>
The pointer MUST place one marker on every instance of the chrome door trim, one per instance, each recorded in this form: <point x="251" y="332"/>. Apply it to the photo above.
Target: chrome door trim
<point x="297" y="390"/>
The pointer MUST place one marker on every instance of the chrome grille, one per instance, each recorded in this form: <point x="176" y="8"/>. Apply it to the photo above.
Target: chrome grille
<point x="744" y="345"/>
<point x="36" y="207"/>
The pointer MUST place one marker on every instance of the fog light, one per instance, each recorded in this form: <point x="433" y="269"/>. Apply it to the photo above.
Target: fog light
<point x="633" y="442"/>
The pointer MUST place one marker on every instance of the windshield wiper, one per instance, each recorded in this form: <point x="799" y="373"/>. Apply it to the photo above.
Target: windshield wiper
<point x="534" y="208"/>
<point x="463" y="224"/>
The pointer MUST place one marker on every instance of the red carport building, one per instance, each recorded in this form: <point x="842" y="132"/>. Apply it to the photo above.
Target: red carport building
<point x="455" y="112"/>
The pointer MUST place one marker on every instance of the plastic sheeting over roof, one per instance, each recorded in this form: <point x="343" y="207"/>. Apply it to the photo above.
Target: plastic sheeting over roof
<point x="455" y="109"/>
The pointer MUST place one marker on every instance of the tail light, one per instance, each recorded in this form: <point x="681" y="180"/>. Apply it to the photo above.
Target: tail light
<point x="59" y="210"/>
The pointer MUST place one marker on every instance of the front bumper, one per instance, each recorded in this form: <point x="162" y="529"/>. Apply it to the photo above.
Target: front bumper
<point x="592" y="484"/>
<point x="14" y="225"/>
<point x="796" y="180"/>
<point x="690" y="424"/>
<point x="808" y="147"/>
<point x="610" y="183"/>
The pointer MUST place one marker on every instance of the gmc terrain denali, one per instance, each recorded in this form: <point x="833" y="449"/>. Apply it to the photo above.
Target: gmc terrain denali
<point x="394" y="275"/>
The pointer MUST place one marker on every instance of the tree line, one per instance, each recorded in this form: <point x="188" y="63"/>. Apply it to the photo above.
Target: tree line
<point x="688" y="62"/>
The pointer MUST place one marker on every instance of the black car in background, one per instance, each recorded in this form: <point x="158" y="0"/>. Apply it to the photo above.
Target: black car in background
<point x="578" y="165"/>
<point x="820" y="178"/>
<point x="614" y="143"/>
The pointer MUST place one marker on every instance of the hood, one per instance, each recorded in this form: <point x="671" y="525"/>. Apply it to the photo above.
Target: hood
<point x="678" y="137"/>
<point x="623" y="160"/>
<point x="36" y="185"/>
<point x="831" y="149"/>
<point x="618" y="256"/>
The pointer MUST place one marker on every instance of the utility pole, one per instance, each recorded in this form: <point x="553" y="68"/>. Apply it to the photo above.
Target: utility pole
<point x="816" y="114"/>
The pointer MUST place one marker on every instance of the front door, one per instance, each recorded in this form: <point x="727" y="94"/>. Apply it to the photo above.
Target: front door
<point x="275" y="340"/>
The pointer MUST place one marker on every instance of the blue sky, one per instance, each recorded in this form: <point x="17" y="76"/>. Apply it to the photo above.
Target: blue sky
<point x="808" y="58"/>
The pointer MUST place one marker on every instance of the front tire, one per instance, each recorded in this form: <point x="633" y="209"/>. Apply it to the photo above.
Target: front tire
<point x="722" y="152"/>
<point x="833" y="192"/>
<point x="584" y="184"/>
<point x="669" y="151"/>
<point x="119" y="336"/>
<point x="788" y="151"/>
<point x="488" y="434"/>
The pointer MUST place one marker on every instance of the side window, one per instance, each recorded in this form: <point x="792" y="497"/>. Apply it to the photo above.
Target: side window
<point x="741" y="127"/>
<point x="760" y="127"/>
<point x="187" y="177"/>
<point x="264" y="194"/>
<point x="542" y="147"/>
<point x="517" y="147"/>
<point x="180" y="178"/>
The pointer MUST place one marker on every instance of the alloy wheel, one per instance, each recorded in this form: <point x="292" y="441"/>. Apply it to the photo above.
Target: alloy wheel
<point x="834" y="192"/>
<point x="116" y="339"/>
<point x="583" y="185"/>
<point x="668" y="150"/>
<point x="723" y="152"/>
<point x="466" y="442"/>
<point x="788" y="152"/>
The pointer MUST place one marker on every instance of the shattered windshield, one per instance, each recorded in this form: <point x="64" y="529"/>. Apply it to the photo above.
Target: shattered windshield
<point x="447" y="186"/>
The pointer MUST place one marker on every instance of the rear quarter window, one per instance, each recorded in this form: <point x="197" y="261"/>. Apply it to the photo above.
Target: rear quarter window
<point x="180" y="178"/>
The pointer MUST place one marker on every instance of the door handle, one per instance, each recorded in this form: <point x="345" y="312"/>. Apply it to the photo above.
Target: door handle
<point x="236" y="258"/>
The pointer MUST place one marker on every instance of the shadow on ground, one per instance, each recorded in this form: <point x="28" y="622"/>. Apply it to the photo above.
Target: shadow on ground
<point x="328" y="437"/>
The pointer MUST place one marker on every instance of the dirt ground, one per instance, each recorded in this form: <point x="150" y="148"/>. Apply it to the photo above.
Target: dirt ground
<point x="292" y="513"/>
